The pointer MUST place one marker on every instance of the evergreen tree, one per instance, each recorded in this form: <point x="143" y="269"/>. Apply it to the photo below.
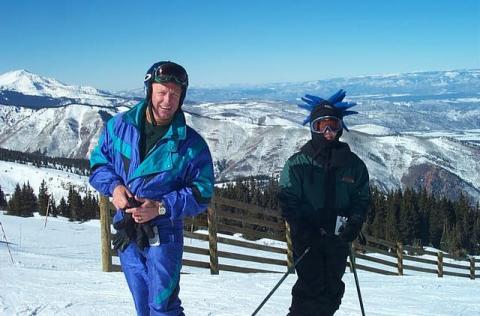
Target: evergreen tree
<point x="464" y="214"/>
<point x="378" y="204"/>
<point x="90" y="207"/>
<point x="96" y="204"/>
<point x="43" y="198"/>
<point x="392" y="232"/>
<point x="53" y="211"/>
<point x="74" y="204"/>
<point x="437" y="225"/>
<point x="63" y="208"/>
<point x="476" y="231"/>
<point x="28" y="201"/>
<point x="14" y="204"/>
<point x="409" y="219"/>
<point x="3" y="201"/>
<point x="425" y="208"/>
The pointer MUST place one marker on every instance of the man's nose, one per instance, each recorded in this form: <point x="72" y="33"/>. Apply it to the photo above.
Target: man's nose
<point x="169" y="97"/>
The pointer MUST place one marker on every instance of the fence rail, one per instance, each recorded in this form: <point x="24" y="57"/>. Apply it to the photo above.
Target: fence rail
<point x="254" y="222"/>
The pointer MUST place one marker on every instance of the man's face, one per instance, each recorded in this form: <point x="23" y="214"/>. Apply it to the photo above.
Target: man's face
<point x="165" y="101"/>
<point x="329" y="135"/>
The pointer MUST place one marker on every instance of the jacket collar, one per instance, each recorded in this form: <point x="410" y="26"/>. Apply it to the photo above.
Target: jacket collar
<point x="340" y="155"/>
<point x="177" y="129"/>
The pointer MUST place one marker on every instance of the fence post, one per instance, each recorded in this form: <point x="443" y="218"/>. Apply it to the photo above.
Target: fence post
<point x="212" y="240"/>
<point x="472" y="268"/>
<point x="105" y="233"/>
<point x="400" y="258"/>
<point x="289" y="247"/>
<point x="440" y="264"/>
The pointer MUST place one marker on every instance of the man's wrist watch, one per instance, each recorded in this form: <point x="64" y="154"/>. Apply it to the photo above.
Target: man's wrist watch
<point x="161" y="209"/>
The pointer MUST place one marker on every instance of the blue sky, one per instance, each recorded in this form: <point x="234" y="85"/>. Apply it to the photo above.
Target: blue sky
<point x="110" y="44"/>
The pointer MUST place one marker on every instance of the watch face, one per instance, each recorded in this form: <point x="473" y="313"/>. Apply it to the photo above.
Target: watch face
<point x="161" y="210"/>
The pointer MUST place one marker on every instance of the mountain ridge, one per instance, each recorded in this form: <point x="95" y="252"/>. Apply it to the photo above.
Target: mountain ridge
<point x="253" y="136"/>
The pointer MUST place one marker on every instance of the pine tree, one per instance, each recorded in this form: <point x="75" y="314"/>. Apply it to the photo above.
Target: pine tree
<point x="53" y="211"/>
<point x="378" y="203"/>
<point x="409" y="219"/>
<point x="392" y="232"/>
<point x="63" y="208"/>
<point x="476" y="231"/>
<point x="425" y="207"/>
<point x="14" y="204"/>
<point x="3" y="201"/>
<point x="464" y="214"/>
<point x="437" y="224"/>
<point x="90" y="207"/>
<point x="43" y="198"/>
<point x="96" y="204"/>
<point x="74" y="204"/>
<point x="28" y="202"/>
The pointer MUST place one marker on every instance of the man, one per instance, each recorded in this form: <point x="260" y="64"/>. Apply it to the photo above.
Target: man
<point x="157" y="170"/>
<point x="321" y="186"/>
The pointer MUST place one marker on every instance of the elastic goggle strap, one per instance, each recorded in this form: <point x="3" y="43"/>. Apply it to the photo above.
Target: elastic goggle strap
<point x="322" y="124"/>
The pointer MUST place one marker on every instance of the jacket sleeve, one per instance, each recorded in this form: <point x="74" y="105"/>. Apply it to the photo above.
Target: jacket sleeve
<point x="198" y="191"/>
<point x="290" y="192"/>
<point x="360" y="199"/>
<point x="102" y="172"/>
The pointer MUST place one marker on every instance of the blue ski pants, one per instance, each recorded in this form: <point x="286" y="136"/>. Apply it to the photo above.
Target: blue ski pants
<point x="153" y="274"/>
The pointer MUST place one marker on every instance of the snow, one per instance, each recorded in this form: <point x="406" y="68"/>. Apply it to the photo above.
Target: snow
<point x="57" y="270"/>
<point x="57" y="181"/>
<point x="32" y="84"/>
<point x="372" y="129"/>
<point x="27" y="83"/>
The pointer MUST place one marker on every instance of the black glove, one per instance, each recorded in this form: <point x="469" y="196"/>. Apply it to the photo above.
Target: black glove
<point x="125" y="232"/>
<point x="144" y="232"/>
<point x="121" y="240"/>
<point x="305" y="234"/>
<point x="148" y="230"/>
<point x="350" y="231"/>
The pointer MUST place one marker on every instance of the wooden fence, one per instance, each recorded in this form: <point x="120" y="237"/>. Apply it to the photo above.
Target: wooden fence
<point x="226" y="217"/>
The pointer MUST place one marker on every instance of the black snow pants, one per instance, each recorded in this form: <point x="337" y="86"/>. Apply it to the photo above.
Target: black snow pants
<point x="319" y="288"/>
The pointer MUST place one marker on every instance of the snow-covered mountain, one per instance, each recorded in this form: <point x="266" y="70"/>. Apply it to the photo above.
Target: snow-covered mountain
<point x="68" y="131"/>
<point x="415" y="139"/>
<point x="400" y="86"/>
<point x="408" y="102"/>
<point x="261" y="142"/>
<point x="23" y="88"/>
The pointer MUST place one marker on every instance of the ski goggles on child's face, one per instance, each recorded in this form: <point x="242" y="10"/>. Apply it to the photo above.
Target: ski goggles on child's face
<point x="322" y="124"/>
<point x="170" y="72"/>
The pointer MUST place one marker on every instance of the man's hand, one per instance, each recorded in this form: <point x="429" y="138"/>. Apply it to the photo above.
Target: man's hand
<point x="146" y="211"/>
<point x="350" y="230"/>
<point x="121" y="196"/>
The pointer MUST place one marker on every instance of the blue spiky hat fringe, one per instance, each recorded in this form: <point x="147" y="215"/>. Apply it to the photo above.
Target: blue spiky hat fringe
<point x="336" y="101"/>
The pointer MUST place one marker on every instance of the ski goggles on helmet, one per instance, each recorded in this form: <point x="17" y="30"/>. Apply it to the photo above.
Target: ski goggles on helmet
<point x="322" y="124"/>
<point x="171" y="72"/>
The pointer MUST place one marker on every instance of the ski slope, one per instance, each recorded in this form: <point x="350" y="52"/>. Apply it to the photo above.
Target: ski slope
<point x="57" y="271"/>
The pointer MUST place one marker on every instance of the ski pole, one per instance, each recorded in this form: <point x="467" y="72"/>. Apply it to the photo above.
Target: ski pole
<point x="6" y="241"/>
<point x="290" y="270"/>
<point x="352" y="262"/>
